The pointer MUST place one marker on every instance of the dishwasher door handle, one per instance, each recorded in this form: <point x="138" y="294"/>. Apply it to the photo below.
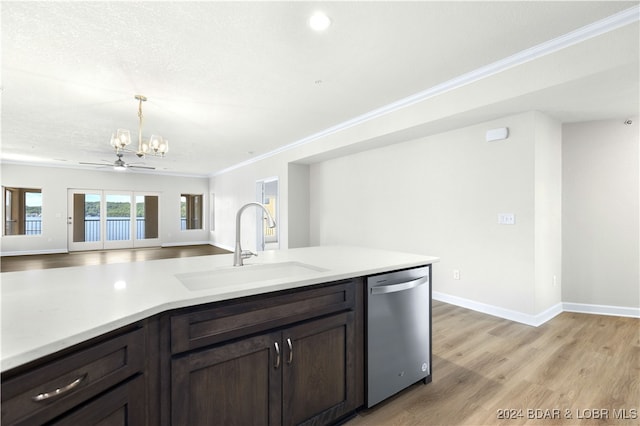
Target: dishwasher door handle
<point x="392" y="288"/>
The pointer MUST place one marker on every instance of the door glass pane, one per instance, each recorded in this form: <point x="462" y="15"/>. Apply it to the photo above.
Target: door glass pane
<point x="146" y="217"/>
<point x="118" y="217"/>
<point x="86" y="211"/>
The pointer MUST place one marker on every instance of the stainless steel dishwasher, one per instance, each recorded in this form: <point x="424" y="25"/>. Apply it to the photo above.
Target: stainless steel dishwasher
<point x="398" y="332"/>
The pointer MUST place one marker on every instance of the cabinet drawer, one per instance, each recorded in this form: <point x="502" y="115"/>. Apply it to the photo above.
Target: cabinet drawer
<point x="49" y="390"/>
<point x="222" y="322"/>
<point x="122" y="405"/>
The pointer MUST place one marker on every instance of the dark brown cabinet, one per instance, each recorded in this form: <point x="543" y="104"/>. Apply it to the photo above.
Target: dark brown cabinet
<point x="231" y="384"/>
<point x="121" y="406"/>
<point x="318" y="383"/>
<point x="301" y="372"/>
<point x="99" y="382"/>
<point x="284" y="358"/>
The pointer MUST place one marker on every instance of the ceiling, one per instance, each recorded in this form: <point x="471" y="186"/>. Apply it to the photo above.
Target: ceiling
<point x="230" y="81"/>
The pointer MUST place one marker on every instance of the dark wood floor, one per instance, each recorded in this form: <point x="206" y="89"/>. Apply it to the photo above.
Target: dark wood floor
<point x="97" y="257"/>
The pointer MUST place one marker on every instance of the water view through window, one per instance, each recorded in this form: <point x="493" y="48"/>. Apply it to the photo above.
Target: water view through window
<point x="22" y="211"/>
<point x="104" y="219"/>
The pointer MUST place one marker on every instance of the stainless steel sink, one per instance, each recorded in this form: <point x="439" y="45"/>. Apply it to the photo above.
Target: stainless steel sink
<point x="254" y="273"/>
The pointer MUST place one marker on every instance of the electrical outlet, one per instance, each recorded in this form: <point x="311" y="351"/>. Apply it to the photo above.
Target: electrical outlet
<point x="456" y="274"/>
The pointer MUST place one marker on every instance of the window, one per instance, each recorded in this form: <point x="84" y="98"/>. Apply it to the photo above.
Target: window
<point x="191" y="211"/>
<point x="22" y="211"/>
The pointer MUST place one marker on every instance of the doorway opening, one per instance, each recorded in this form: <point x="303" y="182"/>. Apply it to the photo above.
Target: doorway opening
<point x="267" y="194"/>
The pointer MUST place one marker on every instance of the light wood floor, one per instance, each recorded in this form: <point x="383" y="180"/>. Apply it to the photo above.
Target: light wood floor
<point x="575" y="363"/>
<point x="45" y="261"/>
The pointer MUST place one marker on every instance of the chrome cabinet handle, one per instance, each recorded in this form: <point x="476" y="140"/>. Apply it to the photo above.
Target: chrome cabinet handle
<point x="46" y="395"/>
<point x="275" y="344"/>
<point x="290" y="351"/>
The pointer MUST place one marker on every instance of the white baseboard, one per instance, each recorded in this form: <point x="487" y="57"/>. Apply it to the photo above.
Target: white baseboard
<point x="496" y="311"/>
<point x="29" y="252"/>
<point x="222" y="246"/>
<point x="186" y="243"/>
<point x="618" y="311"/>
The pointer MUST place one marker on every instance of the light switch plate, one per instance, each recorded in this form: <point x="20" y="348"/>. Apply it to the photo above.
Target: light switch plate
<point x="506" y="219"/>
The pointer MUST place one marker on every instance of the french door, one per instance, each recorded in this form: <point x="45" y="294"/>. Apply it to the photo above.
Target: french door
<point x="100" y="219"/>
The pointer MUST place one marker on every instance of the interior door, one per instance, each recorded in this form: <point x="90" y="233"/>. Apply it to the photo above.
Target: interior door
<point x="85" y="220"/>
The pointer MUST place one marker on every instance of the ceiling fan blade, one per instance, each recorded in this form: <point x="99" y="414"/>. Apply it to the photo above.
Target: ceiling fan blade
<point x="95" y="164"/>
<point x="140" y="167"/>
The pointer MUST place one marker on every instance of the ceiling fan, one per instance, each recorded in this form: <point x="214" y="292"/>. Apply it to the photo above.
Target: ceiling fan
<point x="119" y="164"/>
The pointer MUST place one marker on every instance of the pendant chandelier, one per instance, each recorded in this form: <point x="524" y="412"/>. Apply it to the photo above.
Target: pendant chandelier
<point x="156" y="145"/>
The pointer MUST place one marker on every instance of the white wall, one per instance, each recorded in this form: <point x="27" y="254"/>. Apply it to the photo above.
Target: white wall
<point x="237" y="187"/>
<point x="54" y="183"/>
<point x="440" y="195"/>
<point x="298" y="203"/>
<point x="548" y="212"/>
<point x="600" y="214"/>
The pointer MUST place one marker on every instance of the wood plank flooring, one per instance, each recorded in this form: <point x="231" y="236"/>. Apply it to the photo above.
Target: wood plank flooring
<point x="44" y="261"/>
<point x="491" y="371"/>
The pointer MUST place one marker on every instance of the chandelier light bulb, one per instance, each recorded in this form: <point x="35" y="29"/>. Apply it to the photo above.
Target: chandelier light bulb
<point x="121" y="139"/>
<point x="154" y="142"/>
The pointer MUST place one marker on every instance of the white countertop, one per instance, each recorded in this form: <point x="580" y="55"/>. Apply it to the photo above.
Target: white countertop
<point x="44" y="311"/>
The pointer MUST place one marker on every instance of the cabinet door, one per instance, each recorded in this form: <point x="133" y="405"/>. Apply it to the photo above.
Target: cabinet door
<point x="121" y="406"/>
<point x="233" y="384"/>
<point x="318" y="370"/>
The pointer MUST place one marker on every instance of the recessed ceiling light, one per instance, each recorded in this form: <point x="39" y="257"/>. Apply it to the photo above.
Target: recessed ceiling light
<point x="319" y="21"/>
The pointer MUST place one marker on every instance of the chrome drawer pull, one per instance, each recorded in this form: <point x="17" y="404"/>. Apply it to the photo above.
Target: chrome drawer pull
<point x="275" y="344"/>
<point x="290" y="351"/>
<point x="46" y="395"/>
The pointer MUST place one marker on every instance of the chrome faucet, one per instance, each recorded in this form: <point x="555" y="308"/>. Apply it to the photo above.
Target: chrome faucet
<point x="240" y="254"/>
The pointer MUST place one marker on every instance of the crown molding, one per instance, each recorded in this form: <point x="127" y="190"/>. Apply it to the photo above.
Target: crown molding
<point x="106" y="169"/>
<point x="595" y="29"/>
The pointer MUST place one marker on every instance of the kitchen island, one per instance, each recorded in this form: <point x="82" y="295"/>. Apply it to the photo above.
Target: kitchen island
<point x="49" y="312"/>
